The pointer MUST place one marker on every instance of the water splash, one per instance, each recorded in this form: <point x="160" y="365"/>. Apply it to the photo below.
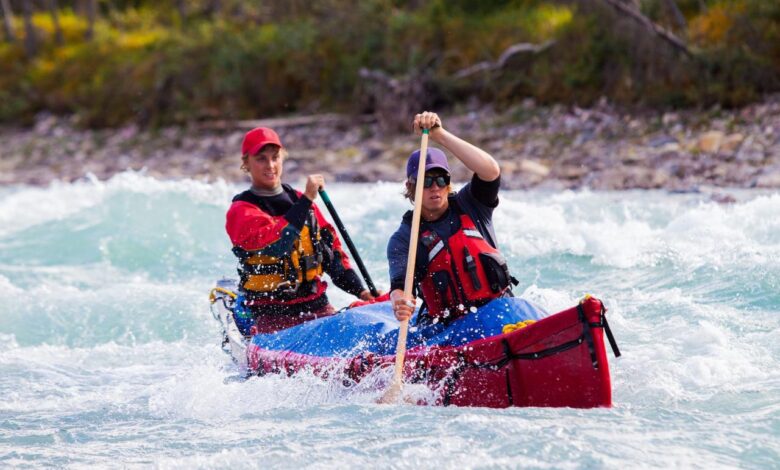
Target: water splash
<point x="107" y="346"/>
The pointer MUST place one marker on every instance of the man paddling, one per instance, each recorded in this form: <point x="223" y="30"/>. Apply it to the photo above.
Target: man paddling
<point x="283" y="243"/>
<point x="458" y="265"/>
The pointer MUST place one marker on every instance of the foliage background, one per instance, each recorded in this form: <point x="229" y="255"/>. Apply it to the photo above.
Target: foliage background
<point x="169" y="62"/>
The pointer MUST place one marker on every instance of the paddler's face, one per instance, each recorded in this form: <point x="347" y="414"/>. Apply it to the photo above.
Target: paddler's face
<point x="434" y="201"/>
<point x="265" y="167"/>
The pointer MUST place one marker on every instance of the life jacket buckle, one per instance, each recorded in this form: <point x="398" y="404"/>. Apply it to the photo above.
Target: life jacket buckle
<point x="471" y="267"/>
<point x="287" y="286"/>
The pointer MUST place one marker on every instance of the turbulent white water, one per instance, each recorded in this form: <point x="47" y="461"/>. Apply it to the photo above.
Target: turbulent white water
<point x="110" y="358"/>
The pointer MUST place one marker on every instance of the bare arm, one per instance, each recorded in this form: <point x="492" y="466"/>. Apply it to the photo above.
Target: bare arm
<point x="475" y="159"/>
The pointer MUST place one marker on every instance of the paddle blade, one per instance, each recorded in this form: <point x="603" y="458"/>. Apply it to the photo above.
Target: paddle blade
<point x="398" y="394"/>
<point x="392" y="394"/>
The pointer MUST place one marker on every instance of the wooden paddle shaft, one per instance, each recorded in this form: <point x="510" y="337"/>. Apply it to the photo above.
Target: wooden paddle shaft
<point x="400" y="351"/>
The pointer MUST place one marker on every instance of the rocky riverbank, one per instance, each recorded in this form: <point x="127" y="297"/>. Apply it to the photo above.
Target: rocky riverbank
<point x="550" y="147"/>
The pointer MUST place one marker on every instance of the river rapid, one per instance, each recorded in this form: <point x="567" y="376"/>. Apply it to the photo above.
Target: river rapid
<point x="109" y="356"/>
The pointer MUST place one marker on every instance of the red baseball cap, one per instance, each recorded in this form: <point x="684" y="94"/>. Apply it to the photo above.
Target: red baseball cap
<point x="255" y="139"/>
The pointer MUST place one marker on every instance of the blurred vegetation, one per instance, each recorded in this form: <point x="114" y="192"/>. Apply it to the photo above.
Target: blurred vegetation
<point x="161" y="62"/>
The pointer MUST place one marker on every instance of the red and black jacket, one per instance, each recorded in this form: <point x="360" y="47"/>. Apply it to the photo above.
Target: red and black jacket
<point x="261" y="226"/>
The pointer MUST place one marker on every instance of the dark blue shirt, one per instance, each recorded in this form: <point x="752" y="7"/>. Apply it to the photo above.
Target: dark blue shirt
<point x="477" y="199"/>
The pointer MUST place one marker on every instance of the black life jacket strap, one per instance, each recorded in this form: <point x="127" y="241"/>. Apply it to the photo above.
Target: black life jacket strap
<point x="241" y="253"/>
<point x="263" y="268"/>
<point x="470" y="266"/>
<point x="423" y="319"/>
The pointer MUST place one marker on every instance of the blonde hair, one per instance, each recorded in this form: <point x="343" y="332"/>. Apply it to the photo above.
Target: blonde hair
<point x="245" y="158"/>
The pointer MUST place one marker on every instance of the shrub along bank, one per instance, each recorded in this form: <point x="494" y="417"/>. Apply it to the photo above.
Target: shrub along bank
<point x="146" y="64"/>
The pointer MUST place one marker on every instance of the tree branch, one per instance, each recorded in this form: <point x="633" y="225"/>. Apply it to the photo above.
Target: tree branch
<point x="508" y="54"/>
<point x="30" y="38"/>
<point x="679" y="18"/>
<point x="8" y="16"/>
<point x="644" y="21"/>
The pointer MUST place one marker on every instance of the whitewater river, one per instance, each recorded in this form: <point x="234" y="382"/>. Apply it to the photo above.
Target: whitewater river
<point x="109" y="356"/>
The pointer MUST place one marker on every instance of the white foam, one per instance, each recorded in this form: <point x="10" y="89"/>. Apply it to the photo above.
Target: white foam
<point x="84" y="378"/>
<point x="684" y="356"/>
<point x="27" y="207"/>
<point x="623" y="233"/>
<point x="7" y="342"/>
<point x="119" y="354"/>
<point x="551" y="300"/>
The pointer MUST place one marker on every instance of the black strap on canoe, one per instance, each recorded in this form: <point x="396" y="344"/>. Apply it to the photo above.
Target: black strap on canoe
<point x="588" y="336"/>
<point x="509" y="396"/>
<point x="610" y="337"/>
<point x="510" y="356"/>
<point x="507" y="353"/>
<point x="452" y="379"/>
<point x="260" y="371"/>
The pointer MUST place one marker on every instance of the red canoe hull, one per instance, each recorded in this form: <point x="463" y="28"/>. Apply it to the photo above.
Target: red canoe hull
<point x="559" y="361"/>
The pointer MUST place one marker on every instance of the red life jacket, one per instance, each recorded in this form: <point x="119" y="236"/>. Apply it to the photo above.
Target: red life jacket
<point x="463" y="271"/>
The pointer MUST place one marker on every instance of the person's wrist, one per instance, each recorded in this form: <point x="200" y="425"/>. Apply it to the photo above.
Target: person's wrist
<point x="395" y="295"/>
<point x="436" y="133"/>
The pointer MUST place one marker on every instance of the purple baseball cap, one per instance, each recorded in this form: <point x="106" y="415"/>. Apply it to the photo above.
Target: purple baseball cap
<point x="434" y="159"/>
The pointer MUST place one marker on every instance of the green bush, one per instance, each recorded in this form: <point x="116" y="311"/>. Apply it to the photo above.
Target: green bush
<point x="146" y="65"/>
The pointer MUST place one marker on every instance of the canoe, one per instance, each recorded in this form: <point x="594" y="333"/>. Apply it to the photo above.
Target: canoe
<point x="508" y="352"/>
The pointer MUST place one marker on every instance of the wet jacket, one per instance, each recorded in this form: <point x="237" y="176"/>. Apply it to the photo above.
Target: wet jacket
<point x="284" y="244"/>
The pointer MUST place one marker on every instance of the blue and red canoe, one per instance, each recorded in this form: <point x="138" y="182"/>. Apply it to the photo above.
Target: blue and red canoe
<point x="506" y="353"/>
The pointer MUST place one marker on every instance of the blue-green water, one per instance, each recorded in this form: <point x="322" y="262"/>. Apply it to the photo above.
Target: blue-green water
<point x="109" y="356"/>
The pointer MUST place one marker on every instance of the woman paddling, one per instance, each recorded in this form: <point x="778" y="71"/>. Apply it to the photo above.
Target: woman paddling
<point x="458" y="265"/>
<point x="283" y="243"/>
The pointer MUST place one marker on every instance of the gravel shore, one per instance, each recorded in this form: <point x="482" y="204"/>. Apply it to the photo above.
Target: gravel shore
<point x="549" y="147"/>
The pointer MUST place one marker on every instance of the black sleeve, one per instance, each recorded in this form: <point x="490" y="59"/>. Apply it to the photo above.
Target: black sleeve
<point x="485" y="192"/>
<point x="345" y="279"/>
<point x="296" y="215"/>
<point x="349" y="282"/>
<point x="397" y="253"/>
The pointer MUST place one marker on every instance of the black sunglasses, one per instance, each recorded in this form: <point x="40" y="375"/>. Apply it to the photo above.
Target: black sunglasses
<point x="441" y="181"/>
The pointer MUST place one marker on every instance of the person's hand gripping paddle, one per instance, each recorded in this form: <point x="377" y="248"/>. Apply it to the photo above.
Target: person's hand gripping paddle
<point x="394" y="392"/>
